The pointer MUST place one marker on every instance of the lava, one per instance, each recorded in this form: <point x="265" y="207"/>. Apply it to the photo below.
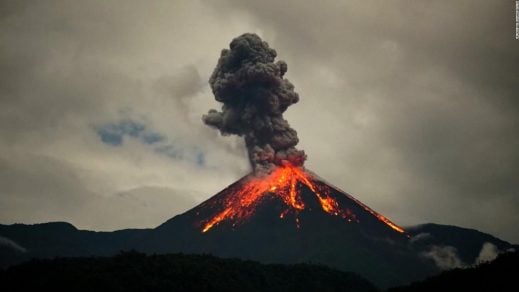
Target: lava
<point x="379" y="216"/>
<point x="240" y="203"/>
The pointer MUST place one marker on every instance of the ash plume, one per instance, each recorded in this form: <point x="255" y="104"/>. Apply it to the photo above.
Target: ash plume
<point x="254" y="96"/>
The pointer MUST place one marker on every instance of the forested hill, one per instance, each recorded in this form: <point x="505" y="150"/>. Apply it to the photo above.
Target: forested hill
<point x="502" y="274"/>
<point x="133" y="271"/>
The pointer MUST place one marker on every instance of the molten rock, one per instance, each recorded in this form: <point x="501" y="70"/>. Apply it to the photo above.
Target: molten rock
<point x="240" y="201"/>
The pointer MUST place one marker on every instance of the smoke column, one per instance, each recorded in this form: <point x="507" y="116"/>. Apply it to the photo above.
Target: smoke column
<point x="254" y="96"/>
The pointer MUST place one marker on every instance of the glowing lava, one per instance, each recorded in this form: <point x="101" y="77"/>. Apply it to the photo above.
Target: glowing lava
<point x="240" y="203"/>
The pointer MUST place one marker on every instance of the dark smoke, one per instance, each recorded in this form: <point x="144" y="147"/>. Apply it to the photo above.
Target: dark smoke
<point x="254" y="96"/>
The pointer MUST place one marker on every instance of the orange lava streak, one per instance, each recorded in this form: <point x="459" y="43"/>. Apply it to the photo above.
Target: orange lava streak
<point x="282" y="182"/>
<point x="240" y="204"/>
<point x="216" y="219"/>
<point x="379" y="216"/>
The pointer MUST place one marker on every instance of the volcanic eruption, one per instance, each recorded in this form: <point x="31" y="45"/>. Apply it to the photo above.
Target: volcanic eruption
<point x="281" y="212"/>
<point x="255" y="94"/>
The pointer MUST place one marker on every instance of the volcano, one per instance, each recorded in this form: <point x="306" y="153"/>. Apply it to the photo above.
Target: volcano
<point x="281" y="212"/>
<point x="293" y="216"/>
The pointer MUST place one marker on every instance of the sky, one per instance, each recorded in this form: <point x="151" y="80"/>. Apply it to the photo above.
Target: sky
<point x="410" y="106"/>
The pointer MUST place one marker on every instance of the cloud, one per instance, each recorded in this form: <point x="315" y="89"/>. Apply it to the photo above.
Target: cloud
<point x="63" y="190"/>
<point x="489" y="252"/>
<point x="96" y="102"/>
<point x="424" y="95"/>
<point x="420" y="237"/>
<point x="255" y="95"/>
<point x="113" y="133"/>
<point x="133" y="207"/>
<point x="445" y="257"/>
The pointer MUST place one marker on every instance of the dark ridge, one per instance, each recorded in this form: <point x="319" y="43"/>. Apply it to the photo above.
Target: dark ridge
<point x="133" y="271"/>
<point x="498" y="275"/>
<point x="48" y="240"/>
<point x="468" y="242"/>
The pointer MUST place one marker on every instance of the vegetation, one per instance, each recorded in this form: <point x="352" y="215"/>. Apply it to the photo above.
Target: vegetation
<point x="499" y="275"/>
<point x="133" y="271"/>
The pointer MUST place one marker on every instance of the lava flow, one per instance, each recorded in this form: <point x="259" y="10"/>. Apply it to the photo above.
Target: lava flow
<point x="241" y="202"/>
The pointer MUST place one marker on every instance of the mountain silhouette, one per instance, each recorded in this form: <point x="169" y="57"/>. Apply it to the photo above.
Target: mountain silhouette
<point x="292" y="216"/>
<point x="498" y="275"/>
<point x="343" y="234"/>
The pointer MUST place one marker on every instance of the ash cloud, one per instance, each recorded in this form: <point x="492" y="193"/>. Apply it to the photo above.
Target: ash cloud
<point x="255" y="95"/>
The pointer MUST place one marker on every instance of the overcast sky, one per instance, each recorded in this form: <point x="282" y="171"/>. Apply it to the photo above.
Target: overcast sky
<point x="411" y="106"/>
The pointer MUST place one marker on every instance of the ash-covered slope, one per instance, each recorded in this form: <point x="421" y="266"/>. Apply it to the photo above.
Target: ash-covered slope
<point x="295" y="220"/>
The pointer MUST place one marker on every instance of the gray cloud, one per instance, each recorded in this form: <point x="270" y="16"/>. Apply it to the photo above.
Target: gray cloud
<point x="6" y="242"/>
<point x="489" y="252"/>
<point x="133" y="207"/>
<point x="445" y="257"/>
<point x="255" y="95"/>
<point x="410" y="106"/>
<point x="60" y="193"/>
<point x="66" y="70"/>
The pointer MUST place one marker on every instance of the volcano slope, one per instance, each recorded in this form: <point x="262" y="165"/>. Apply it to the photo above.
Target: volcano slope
<point x="293" y="216"/>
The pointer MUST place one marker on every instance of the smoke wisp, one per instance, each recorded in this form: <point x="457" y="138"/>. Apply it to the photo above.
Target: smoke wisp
<point x="254" y="95"/>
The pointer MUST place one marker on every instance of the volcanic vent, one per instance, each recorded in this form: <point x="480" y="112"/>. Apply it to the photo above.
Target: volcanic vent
<point x="281" y="212"/>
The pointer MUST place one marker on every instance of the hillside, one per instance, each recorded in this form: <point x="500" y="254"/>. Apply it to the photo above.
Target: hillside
<point x="499" y="275"/>
<point x="21" y="242"/>
<point x="467" y="242"/>
<point x="133" y="271"/>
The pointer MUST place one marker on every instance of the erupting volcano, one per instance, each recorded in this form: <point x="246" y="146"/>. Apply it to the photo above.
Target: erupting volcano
<point x="255" y="95"/>
<point x="281" y="212"/>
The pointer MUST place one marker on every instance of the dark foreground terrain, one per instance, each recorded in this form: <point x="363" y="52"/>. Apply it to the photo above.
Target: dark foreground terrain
<point x="345" y="247"/>
<point x="133" y="271"/>
<point x="501" y="274"/>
